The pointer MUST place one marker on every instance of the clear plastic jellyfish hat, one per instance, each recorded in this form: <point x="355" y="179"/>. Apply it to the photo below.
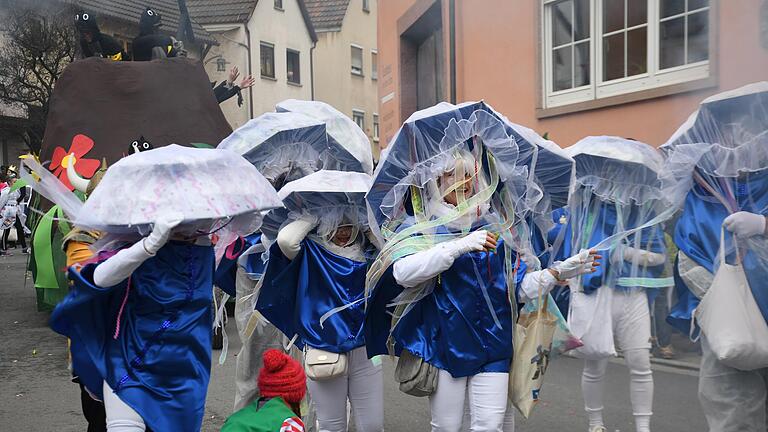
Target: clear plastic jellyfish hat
<point x="352" y="147"/>
<point x="726" y="137"/>
<point x="207" y="187"/>
<point x="330" y="196"/>
<point x="283" y="146"/>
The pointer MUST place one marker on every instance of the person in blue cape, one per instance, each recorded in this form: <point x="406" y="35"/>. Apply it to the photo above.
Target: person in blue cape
<point x="140" y="325"/>
<point x="724" y="149"/>
<point x="462" y="292"/>
<point x="612" y="208"/>
<point x="312" y="292"/>
<point x="139" y="314"/>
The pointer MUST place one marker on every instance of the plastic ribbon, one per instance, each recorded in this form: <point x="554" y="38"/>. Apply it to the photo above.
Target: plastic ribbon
<point x="45" y="277"/>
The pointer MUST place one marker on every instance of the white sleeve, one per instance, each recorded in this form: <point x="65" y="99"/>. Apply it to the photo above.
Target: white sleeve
<point x="290" y="236"/>
<point x="117" y="268"/>
<point x="420" y="267"/>
<point x="697" y="278"/>
<point x="644" y="258"/>
<point x="529" y="288"/>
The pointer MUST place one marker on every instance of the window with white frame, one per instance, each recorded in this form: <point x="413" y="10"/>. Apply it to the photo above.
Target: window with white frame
<point x="359" y="118"/>
<point x="279" y="4"/>
<point x="594" y="49"/>
<point x="366" y="5"/>
<point x="357" y="60"/>
<point x="374" y="64"/>
<point x="375" y="127"/>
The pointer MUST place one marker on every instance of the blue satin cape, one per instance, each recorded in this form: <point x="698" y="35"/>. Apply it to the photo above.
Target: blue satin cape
<point x="160" y="363"/>
<point x="296" y="293"/>
<point x="224" y="277"/>
<point x="453" y="329"/>
<point x="697" y="234"/>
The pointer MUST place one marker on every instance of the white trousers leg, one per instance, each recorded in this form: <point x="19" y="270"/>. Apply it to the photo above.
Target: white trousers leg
<point x="733" y="400"/>
<point x="509" y="418"/>
<point x="485" y="394"/>
<point x="632" y="331"/>
<point x="363" y="386"/>
<point x="120" y="417"/>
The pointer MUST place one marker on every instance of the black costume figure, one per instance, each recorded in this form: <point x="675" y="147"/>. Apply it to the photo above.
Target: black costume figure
<point x="225" y="91"/>
<point x="150" y="41"/>
<point x="93" y="43"/>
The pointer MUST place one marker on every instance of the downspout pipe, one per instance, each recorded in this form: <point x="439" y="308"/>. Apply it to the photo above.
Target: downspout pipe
<point x="312" y="70"/>
<point x="250" y="69"/>
<point x="452" y="26"/>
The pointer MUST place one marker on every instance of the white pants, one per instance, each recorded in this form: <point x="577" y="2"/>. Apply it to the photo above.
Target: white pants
<point x="120" y="417"/>
<point x="249" y="359"/>
<point x="509" y="418"/>
<point x="486" y="394"/>
<point x="733" y="400"/>
<point x="363" y="385"/>
<point x="632" y="331"/>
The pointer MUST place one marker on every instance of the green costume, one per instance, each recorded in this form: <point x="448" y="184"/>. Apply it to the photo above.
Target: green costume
<point x="273" y="416"/>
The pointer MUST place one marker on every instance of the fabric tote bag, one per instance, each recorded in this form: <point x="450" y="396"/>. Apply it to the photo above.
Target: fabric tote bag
<point x="731" y="320"/>
<point x="534" y="332"/>
<point x="589" y="317"/>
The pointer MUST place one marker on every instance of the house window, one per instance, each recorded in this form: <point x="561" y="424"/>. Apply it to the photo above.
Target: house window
<point x="366" y="5"/>
<point x="376" y="127"/>
<point x="374" y="65"/>
<point x="683" y="33"/>
<point x="357" y="60"/>
<point x="600" y="48"/>
<point x="292" y="61"/>
<point x="267" y="60"/>
<point x="279" y="4"/>
<point x="359" y="118"/>
<point x="221" y="64"/>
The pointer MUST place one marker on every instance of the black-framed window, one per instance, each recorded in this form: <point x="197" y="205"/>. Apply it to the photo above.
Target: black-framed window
<point x="221" y="64"/>
<point x="357" y="60"/>
<point x="293" y="66"/>
<point x="267" y="53"/>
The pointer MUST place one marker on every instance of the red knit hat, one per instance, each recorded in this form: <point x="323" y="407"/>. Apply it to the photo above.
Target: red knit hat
<point x="282" y="376"/>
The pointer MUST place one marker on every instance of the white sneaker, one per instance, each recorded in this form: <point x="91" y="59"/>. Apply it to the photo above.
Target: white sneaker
<point x="598" y="429"/>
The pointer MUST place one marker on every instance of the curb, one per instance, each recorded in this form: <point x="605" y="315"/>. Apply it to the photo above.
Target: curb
<point x="675" y="364"/>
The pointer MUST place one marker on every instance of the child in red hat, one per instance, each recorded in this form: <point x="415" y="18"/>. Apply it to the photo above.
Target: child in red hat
<point x="282" y="385"/>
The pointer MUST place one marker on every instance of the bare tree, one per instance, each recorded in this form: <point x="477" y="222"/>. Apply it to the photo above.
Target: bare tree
<point x="36" y="44"/>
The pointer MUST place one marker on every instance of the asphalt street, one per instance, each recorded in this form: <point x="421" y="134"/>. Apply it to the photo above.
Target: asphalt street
<point x="36" y="394"/>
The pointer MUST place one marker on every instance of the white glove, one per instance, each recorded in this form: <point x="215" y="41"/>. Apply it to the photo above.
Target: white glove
<point x="472" y="242"/>
<point x="643" y="257"/>
<point x="745" y="224"/>
<point x="576" y="265"/>
<point x="290" y="236"/>
<point x="161" y="232"/>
